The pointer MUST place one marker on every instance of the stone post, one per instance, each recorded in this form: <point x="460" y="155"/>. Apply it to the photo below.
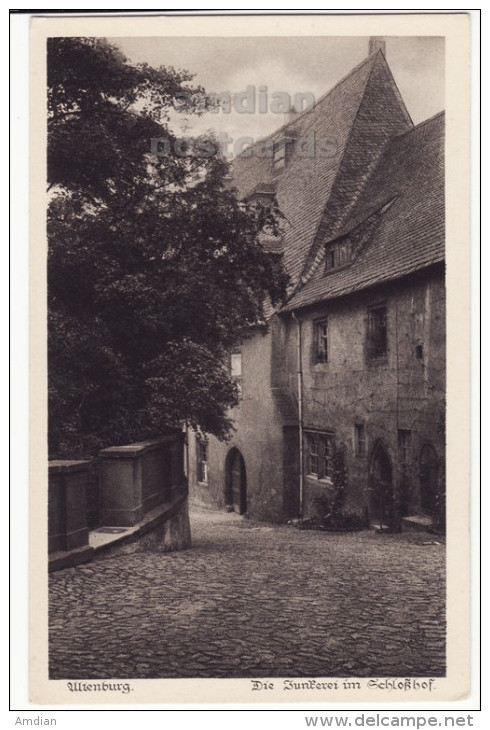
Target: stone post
<point x="136" y="478"/>
<point x="67" y="505"/>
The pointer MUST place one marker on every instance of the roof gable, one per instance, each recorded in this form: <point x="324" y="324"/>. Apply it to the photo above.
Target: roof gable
<point x="409" y="234"/>
<point x="381" y="116"/>
<point x="304" y="186"/>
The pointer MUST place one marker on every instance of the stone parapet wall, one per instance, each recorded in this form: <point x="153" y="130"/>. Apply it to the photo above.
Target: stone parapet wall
<point x="67" y="504"/>
<point x="140" y="488"/>
<point x="135" y="479"/>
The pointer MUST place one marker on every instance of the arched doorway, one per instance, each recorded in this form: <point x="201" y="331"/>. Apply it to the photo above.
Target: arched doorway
<point x="236" y="481"/>
<point x="429" y="476"/>
<point x="381" y="487"/>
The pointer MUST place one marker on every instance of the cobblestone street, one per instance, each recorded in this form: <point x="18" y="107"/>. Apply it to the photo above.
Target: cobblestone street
<point x="255" y="600"/>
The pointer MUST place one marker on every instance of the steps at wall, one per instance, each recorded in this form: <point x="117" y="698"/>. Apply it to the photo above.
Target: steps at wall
<point x="417" y="523"/>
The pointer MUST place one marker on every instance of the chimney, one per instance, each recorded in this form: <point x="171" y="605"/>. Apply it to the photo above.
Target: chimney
<point x="377" y="44"/>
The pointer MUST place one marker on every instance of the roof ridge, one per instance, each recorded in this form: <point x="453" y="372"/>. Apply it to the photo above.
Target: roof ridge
<point x="410" y="235"/>
<point x="347" y="229"/>
<point x="389" y="143"/>
<point x="309" y="262"/>
<point x="418" y="126"/>
<point x="322" y="98"/>
<point x="398" y="95"/>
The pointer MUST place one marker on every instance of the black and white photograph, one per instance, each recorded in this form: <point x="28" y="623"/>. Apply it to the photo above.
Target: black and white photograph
<point x="247" y="456"/>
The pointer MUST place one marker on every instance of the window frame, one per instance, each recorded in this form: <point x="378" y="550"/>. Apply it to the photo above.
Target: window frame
<point x="237" y="379"/>
<point x="360" y="444"/>
<point x="338" y="255"/>
<point x="282" y="150"/>
<point x="234" y="375"/>
<point x="202" y="459"/>
<point x="404" y="449"/>
<point x="373" y="350"/>
<point x="321" y="341"/>
<point x="321" y="455"/>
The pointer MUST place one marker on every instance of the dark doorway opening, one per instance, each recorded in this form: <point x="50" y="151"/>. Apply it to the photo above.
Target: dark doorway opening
<point x="381" y="487"/>
<point x="236" y="481"/>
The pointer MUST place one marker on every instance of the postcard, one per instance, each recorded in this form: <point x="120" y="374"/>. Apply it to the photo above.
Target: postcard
<point x="249" y="334"/>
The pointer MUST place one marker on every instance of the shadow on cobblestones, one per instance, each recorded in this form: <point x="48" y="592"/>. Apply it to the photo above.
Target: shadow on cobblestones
<point x="255" y="600"/>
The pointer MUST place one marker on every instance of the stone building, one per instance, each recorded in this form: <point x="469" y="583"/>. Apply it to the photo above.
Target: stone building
<point x="355" y="360"/>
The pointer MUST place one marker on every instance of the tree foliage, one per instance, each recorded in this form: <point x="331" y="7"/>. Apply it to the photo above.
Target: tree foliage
<point x="155" y="270"/>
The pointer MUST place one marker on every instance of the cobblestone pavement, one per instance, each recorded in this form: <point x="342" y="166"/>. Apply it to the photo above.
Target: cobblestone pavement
<point x="254" y="600"/>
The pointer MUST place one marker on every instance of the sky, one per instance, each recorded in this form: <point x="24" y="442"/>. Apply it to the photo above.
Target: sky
<point x="263" y="68"/>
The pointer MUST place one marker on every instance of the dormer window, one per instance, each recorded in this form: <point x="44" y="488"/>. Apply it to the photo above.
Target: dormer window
<point x="279" y="160"/>
<point x="337" y="254"/>
<point x="263" y="193"/>
<point x="282" y="151"/>
<point x="347" y="244"/>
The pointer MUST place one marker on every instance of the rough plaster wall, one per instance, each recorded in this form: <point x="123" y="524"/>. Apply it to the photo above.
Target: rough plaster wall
<point x="258" y="436"/>
<point x="400" y="391"/>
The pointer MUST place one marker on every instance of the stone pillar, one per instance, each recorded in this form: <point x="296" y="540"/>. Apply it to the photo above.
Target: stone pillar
<point x="135" y="479"/>
<point x="176" y="534"/>
<point x="67" y="505"/>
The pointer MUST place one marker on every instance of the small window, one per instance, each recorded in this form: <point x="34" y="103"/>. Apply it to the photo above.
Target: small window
<point x="282" y="151"/>
<point x="236" y="370"/>
<point x="330" y="259"/>
<point x="327" y="453"/>
<point x="321" y="340"/>
<point x="344" y="253"/>
<point x="377" y="340"/>
<point x="360" y="439"/>
<point x="313" y="452"/>
<point x="236" y="365"/>
<point x="337" y="254"/>
<point x="279" y="158"/>
<point x="404" y="446"/>
<point x="419" y="352"/>
<point x="202" y="460"/>
<point x="319" y="454"/>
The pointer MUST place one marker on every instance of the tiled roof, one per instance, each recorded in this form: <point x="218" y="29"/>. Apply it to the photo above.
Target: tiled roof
<point x="303" y="188"/>
<point x="409" y="234"/>
<point x="336" y="145"/>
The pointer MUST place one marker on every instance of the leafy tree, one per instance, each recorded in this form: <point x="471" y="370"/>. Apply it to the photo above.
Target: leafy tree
<point x="155" y="269"/>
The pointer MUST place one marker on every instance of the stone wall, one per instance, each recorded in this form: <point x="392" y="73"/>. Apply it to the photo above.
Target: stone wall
<point x="138" y="477"/>
<point x="258" y="436"/>
<point x="140" y="487"/>
<point x="67" y="505"/>
<point x="403" y="391"/>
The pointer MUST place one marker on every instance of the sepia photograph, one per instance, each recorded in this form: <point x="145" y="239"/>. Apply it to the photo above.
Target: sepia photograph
<point x="246" y="346"/>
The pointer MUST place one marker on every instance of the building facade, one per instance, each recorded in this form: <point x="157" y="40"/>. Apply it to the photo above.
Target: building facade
<point x="354" y="362"/>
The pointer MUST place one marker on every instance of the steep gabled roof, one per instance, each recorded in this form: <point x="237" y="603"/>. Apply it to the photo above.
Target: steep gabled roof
<point x="409" y="234"/>
<point x="381" y="116"/>
<point x="303" y="188"/>
<point x="342" y="135"/>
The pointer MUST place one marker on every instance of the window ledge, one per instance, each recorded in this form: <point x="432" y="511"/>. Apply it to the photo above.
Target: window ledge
<point x="375" y="361"/>
<point x="327" y="272"/>
<point x="321" y="482"/>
